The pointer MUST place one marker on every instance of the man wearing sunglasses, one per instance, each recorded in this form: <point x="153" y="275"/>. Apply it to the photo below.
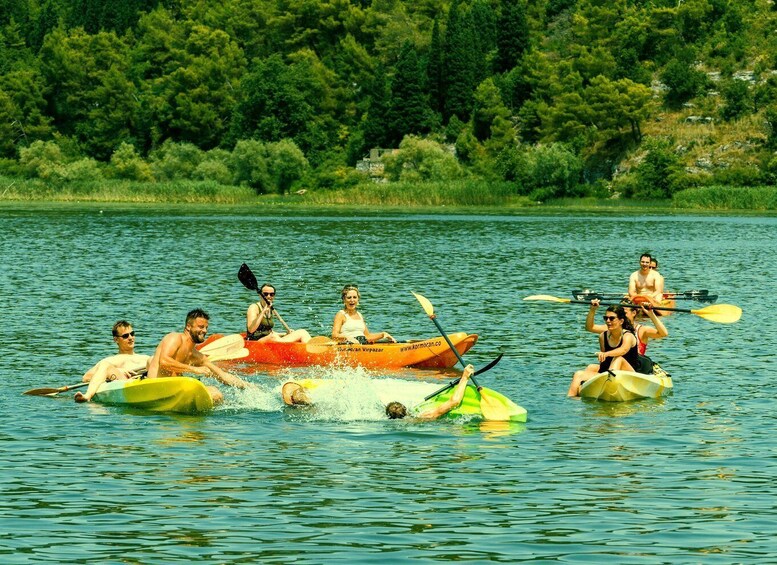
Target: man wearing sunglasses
<point x="124" y="365"/>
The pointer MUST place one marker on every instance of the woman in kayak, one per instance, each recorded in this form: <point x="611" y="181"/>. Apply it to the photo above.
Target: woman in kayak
<point x="618" y="350"/>
<point x="349" y="324"/>
<point x="642" y="331"/>
<point x="260" y="321"/>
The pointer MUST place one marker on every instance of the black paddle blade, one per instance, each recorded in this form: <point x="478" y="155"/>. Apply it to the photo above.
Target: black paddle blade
<point x="247" y="277"/>
<point x="453" y="383"/>
<point x="490" y="365"/>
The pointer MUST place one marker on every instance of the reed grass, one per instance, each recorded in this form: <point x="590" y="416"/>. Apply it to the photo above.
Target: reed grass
<point x="455" y="193"/>
<point x="757" y="198"/>
<point x="124" y="191"/>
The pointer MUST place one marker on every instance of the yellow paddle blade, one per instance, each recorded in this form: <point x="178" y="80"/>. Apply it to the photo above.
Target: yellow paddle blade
<point x="548" y="298"/>
<point x="720" y="313"/>
<point x="320" y="344"/>
<point x="425" y="304"/>
<point x="492" y="408"/>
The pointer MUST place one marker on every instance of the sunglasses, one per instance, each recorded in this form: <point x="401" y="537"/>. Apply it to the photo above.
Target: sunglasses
<point x="609" y="318"/>
<point x="127" y="335"/>
<point x="268" y="294"/>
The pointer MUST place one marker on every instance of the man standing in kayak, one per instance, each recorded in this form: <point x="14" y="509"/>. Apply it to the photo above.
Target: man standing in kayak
<point x="295" y="394"/>
<point x="646" y="283"/>
<point x="176" y="354"/>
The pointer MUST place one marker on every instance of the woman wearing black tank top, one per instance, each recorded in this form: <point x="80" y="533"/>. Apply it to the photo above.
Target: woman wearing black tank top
<point x="617" y="349"/>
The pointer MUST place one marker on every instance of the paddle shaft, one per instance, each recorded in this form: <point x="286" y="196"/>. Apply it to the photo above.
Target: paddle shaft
<point x="433" y="318"/>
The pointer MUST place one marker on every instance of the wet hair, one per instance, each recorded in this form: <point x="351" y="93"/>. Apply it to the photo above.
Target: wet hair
<point x="196" y="313"/>
<point x="396" y="410"/>
<point x="120" y="324"/>
<point x="267" y="284"/>
<point x="618" y="310"/>
<point x="347" y="288"/>
<point x="300" y="398"/>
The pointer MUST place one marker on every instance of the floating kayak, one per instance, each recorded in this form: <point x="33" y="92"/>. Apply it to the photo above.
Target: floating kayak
<point x="431" y="353"/>
<point x="184" y="395"/>
<point x="620" y="386"/>
<point x="470" y="405"/>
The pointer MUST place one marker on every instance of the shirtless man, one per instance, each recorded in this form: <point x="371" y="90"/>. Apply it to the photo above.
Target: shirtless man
<point x="124" y="365"/>
<point x="646" y="282"/>
<point x="176" y="354"/>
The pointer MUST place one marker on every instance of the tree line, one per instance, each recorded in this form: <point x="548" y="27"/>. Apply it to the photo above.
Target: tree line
<point x="550" y="95"/>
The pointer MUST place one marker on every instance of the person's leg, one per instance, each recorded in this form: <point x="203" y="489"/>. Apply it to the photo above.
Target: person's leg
<point x="620" y="364"/>
<point x="297" y="335"/>
<point x="104" y="373"/>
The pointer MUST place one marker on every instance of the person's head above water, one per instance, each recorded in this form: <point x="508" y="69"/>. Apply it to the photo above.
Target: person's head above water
<point x="396" y="410"/>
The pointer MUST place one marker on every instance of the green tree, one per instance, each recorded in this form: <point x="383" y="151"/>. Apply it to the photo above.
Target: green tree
<point x="375" y="133"/>
<point x="738" y="100"/>
<point x="89" y="95"/>
<point x="682" y="80"/>
<point x="409" y="110"/>
<point x="488" y="106"/>
<point x="422" y="159"/>
<point x="459" y="62"/>
<point x="512" y="35"/>
<point x="435" y="70"/>
<point x="191" y="91"/>
<point x="285" y="164"/>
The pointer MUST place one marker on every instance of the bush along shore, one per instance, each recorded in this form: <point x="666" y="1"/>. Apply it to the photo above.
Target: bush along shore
<point x="405" y="195"/>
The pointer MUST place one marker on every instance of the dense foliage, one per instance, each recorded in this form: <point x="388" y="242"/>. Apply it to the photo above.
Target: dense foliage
<point x="557" y="98"/>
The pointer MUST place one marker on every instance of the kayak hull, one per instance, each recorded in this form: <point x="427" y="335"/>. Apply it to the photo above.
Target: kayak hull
<point x="431" y="353"/>
<point x="470" y="405"/>
<point x="183" y="395"/>
<point x="622" y="386"/>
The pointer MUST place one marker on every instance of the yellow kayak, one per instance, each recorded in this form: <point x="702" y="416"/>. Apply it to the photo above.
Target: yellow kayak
<point x="183" y="395"/>
<point x="620" y="386"/>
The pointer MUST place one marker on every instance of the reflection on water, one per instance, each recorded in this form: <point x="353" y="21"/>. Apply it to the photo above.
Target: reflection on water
<point x="685" y="478"/>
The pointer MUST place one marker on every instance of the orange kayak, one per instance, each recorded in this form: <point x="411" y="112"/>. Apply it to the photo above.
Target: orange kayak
<point x="431" y="353"/>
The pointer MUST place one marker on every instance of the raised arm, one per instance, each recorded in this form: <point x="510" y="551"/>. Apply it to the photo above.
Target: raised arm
<point x="589" y="319"/>
<point x="659" y="331"/>
<point x="454" y="400"/>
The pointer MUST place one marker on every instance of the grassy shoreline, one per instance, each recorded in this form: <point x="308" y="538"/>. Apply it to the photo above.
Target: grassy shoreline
<point x="433" y="197"/>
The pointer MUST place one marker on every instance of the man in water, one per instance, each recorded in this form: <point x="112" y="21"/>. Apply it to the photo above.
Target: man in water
<point x="295" y="395"/>
<point x="646" y="283"/>
<point x="124" y="365"/>
<point x="176" y="354"/>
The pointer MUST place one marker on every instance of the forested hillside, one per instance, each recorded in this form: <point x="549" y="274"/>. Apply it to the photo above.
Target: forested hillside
<point x="555" y="97"/>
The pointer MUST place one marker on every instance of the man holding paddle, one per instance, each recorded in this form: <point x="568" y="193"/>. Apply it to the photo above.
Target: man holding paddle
<point x="176" y="354"/>
<point x="124" y="365"/>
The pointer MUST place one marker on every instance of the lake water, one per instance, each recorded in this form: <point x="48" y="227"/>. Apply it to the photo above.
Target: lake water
<point x="685" y="479"/>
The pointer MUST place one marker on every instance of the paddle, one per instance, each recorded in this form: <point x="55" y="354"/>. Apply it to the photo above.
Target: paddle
<point x="720" y="313"/>
<point x="491" y="408"/>
<point x="223" y="344"/>
<point x="697" y="295"/>
<point x="235" y="353"/>
<point x="246" y="276"/>
<point x="454" y="382"/>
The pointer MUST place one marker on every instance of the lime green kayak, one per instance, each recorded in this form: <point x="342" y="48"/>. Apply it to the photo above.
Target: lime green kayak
<point x="470" y="405"/>
<point x="183" y="395"/>
<point x="621" y="386"/>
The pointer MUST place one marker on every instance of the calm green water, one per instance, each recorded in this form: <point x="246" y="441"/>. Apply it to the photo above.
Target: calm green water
<point x="689" y="478"/>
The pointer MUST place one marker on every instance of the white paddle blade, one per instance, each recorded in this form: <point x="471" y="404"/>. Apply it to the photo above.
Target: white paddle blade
<point x="425" y="304"/>
<point x="225" y="343"/>
<point x="239" y="353"/>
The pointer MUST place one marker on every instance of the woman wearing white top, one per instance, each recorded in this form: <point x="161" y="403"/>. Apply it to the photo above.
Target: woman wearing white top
<point x="349" y="324"/>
